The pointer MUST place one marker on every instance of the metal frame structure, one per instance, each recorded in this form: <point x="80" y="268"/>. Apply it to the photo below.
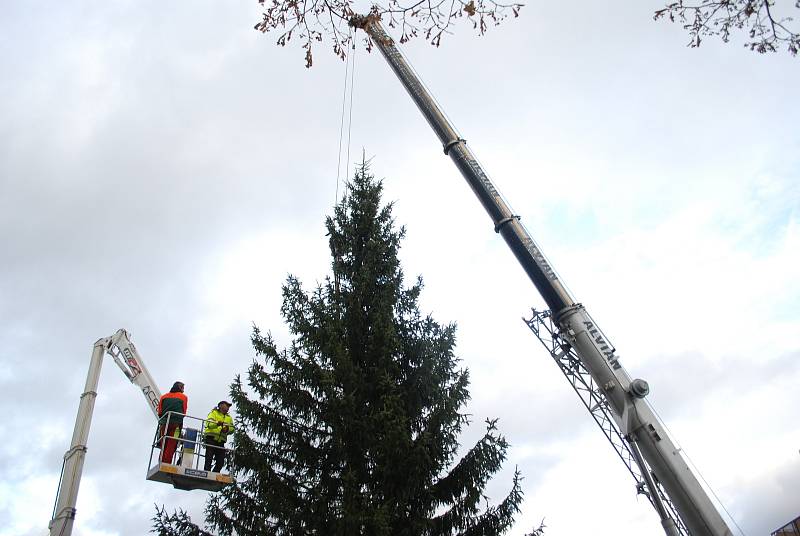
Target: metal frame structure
<point x="542" y="325"/>
<point x="186" y="474"/>
<point x="792" y="528"/>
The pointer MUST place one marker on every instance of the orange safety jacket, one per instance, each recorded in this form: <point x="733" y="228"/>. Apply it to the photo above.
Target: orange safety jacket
<point x="177" y="402"/>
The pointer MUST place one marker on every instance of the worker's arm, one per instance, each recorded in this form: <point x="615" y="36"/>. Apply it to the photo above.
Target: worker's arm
<point x="228" y="426"/>
<point x="213" y="426"/>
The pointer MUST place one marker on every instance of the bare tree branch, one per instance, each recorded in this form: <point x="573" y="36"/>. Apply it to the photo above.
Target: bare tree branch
<point x="312" y="21"/>
<point x="708" y="18"/>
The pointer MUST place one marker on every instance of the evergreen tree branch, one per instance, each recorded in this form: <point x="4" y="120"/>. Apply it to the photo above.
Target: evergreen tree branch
<point x="473" y="470"/>
<point x="176" y="524"/>
<point x="498" y="519"/>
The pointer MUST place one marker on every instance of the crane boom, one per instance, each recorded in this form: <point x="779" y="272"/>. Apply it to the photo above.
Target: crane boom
<point x="124" y="354"/>
<point x="648" y="441"/>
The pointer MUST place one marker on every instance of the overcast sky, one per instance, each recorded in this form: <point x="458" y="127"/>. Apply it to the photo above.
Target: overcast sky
<point x="163" y="167"/>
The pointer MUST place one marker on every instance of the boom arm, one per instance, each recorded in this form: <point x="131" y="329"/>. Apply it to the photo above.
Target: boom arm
<point x="124" y="354"/>
<point x="643" y="430"/>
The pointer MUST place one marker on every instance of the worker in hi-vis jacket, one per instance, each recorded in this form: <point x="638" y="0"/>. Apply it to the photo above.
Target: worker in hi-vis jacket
<point x="218" y="425"/>
<point x="176" y="402"/>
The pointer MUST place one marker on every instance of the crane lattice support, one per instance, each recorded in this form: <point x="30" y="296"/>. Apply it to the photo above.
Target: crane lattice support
<point x="541" y="324"/>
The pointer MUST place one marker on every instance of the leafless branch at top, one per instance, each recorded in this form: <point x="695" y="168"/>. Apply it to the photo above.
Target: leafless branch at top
<point x="708" y="18"/>
<point x="312" y="21"/>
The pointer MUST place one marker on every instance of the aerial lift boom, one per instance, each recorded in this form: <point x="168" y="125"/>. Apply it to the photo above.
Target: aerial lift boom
<point x="184" y="476"/>
<point x="660" y="461"/>
<point x="124" y="354"/>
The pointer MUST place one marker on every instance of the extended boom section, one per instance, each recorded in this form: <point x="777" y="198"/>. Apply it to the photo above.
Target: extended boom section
<point x="649" y="445"/>
<point x="67" y="496"/>
<point x="124" y="354"/>
<point x="188" y="441"/>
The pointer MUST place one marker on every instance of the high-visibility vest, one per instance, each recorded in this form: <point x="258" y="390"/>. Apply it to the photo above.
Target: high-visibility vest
<point x="213" y="428"/>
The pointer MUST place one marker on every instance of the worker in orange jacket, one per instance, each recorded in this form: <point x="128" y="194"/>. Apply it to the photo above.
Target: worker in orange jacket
<point x="177" y="403"/>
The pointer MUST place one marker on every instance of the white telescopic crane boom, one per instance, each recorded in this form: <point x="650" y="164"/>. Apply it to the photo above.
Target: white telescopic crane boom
<point x="124" y="354"/>
<point x="644" y="432"/>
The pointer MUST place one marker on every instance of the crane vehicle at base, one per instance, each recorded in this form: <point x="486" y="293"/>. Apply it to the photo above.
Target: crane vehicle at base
<point x="584" y="353"/>
<point x="184" y="475"/>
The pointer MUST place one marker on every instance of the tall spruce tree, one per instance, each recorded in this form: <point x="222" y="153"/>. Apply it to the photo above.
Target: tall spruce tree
<point x="353" y="429"/>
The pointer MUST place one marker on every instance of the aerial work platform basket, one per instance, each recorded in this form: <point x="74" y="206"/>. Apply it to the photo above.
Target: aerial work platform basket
<point x="176" y="459"/>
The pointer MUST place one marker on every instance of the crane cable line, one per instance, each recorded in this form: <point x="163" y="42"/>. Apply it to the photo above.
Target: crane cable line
<point x="341" y="129"/>
<point x="349" y="66"/>
<point x="350" y="118"/>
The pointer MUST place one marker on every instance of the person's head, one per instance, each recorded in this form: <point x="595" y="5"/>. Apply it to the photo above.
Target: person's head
<point x="177" y="387"/>
<point x="223" y="407"/>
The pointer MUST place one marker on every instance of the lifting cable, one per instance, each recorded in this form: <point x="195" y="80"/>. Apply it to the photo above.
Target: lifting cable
<point x="350" y="67"/>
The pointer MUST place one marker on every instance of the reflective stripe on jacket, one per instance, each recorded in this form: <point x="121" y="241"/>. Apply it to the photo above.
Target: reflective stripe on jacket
<point x="214" y="430"/>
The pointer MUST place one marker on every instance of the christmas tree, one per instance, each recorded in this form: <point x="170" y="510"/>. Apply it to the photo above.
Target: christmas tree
<point x="353" y="429"/>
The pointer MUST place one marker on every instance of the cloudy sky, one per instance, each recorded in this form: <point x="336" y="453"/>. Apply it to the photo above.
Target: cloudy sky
<point x="163" y="167"/>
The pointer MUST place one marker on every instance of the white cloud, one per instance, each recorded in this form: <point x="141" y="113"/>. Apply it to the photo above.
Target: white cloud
<point x="164" y="168"/>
